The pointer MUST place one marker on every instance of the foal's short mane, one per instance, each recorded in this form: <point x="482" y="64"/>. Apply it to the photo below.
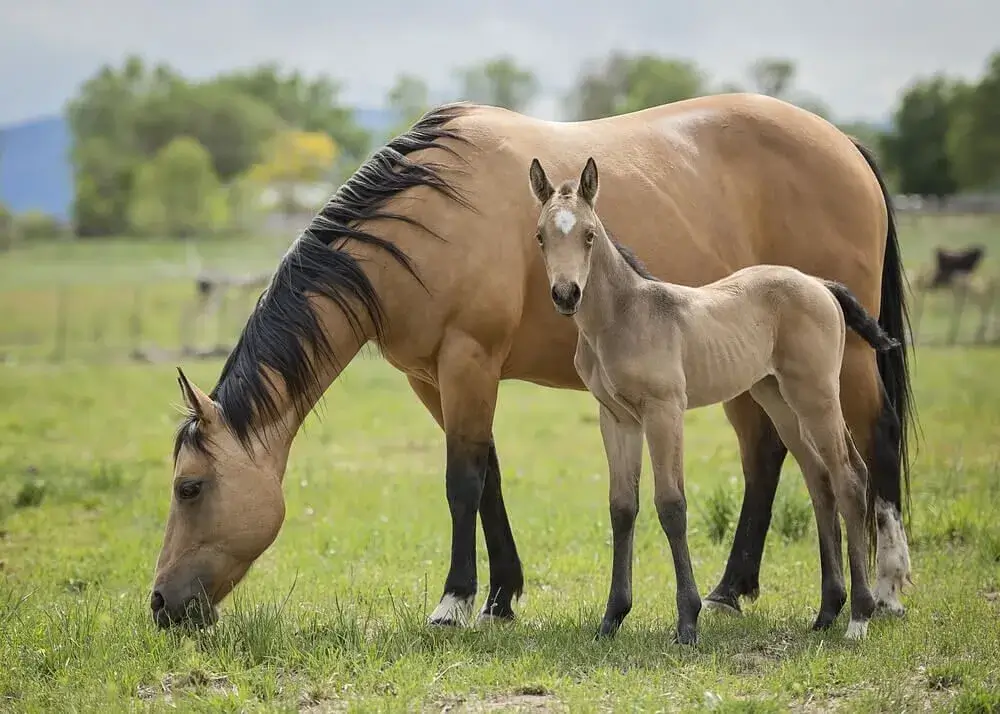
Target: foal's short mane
<point x="283" y="323"/>
<point x="633" y="260"/>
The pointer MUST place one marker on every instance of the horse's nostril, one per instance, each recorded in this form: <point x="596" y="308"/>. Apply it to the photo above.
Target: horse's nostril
<point x="555" y="295"/>
<point x="156" y="603"/>
<point x="575" y="292"/>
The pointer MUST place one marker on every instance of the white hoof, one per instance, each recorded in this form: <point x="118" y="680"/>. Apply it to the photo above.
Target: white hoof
<point x="452" y="610"/>
<point x="856" y="630"/>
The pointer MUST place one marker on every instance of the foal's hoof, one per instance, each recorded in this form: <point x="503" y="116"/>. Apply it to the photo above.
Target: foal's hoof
<point x="608" y="629"/>
<point x="856" y="630"/>
<point x="726" y="607"/>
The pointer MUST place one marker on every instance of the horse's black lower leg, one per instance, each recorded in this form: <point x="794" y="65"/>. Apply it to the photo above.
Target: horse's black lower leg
<point x="506" y="574"/>
<point x="762" y="455"/>
<point x="673" y="520"/>
<point x="465" y="478"/>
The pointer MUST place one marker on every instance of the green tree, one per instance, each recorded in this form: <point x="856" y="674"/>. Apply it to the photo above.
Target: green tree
<point x="973" y="140"/>
<point x="622" y="83"/>
<point x="103" y="176"/>
<point x="409" y="99"/>
<point x="499" y="81"/>
<point x="773" y="76"/>
<point x="177" y="193"/>
<point x="309" y="105"/>
<point x="916" y="148"/>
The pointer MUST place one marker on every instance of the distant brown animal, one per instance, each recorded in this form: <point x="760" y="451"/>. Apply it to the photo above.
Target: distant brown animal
<point x="650" y="350"/>
<point x="427" y="252"/>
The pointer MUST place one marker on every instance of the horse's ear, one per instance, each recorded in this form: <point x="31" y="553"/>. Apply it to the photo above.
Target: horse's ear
<point x="540" y="184"/>
<point x="588" y="182"/>
<point x="197" y="401"/>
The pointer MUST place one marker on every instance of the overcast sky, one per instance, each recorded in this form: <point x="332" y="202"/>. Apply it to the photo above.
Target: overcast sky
<point x="854" y="54"/>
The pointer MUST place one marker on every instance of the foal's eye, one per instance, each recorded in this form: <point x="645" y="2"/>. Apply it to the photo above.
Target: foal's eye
<point x="589" y="237"/>
<point x="188" y="490"/>
<point x="538" y="237"/>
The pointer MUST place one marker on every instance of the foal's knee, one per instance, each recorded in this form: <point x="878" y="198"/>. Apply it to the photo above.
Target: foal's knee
<point x="672" y="511"/>
<point x="623" y="511"/>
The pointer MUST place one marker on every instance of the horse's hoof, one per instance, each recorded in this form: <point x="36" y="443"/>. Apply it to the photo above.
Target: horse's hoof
<point x="452" y="611"/>
<point x="487" y="619"/>
<point x="856" y="630"/>
<point x="723" y="606"/>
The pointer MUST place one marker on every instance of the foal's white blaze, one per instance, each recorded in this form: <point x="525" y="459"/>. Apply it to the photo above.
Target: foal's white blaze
<point x="893" y="559"/>
<point x="856" y="630"/>
<point x="564" y="221"/>
<point x="453" y="609"/>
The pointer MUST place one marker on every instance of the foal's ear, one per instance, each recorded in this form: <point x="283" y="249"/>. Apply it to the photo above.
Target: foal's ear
<point x="588" y="182"/>
<point x="197" y="401"/>
<point x="540" y="184"/>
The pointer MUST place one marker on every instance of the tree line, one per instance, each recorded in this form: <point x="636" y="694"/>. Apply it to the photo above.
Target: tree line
<point x="155" y="153"/>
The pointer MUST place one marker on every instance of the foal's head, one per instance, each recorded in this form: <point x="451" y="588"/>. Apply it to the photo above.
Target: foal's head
<point x="567" y="229"/>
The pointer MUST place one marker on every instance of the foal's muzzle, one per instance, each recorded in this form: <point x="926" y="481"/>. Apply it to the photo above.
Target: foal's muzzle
<point x="566" y="297"/>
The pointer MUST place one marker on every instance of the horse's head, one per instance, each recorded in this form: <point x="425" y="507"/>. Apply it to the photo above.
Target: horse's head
<point x="567" y="228"/>
<point x="226" y="508"/>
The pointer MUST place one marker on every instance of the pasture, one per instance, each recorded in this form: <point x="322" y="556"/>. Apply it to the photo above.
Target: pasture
<point x="331" y="618"/>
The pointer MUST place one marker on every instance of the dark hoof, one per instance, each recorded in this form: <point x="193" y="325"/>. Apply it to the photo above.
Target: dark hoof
<point x="686" y="635"/>
<point x="823" y="621"/>
<point x="608" y="629"/>
<point x="488" y="618"/>
<point x="728" y="606"/>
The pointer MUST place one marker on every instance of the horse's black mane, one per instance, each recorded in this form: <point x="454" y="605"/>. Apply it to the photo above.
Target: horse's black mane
<point x="283" y="324"/>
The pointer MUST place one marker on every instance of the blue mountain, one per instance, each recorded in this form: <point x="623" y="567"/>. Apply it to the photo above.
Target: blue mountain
<point x="35" y="168"/>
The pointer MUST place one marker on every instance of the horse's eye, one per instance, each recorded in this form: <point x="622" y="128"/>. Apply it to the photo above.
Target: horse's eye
<point x="538" y="237"/>
<point x="188" y="490"/>
<point x="589" y="237"/>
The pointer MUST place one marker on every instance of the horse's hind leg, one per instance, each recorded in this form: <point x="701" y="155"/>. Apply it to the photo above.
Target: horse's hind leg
<point x="762" y="454"/>
<point x="823" y="424"/>
<point x="832" y="588"/>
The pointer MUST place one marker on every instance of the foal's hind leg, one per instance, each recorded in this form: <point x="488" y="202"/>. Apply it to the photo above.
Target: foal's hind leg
<point x="818" y="409"/>
<point x="832" y="588"/>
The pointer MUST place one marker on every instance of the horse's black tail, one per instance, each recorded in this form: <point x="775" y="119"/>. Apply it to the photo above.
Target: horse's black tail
<point x="858" y="319"/>
<point x="890" y="479"/>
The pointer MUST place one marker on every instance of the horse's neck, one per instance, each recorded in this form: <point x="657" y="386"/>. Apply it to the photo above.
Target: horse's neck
<point x="609" y="285"/>
<point x="292" y="412"/>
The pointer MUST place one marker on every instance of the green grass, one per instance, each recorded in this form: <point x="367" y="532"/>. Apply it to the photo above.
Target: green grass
<point x="332" y="616"/>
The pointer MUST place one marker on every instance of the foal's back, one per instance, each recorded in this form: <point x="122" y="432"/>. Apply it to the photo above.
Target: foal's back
<point x="755" y="322"/>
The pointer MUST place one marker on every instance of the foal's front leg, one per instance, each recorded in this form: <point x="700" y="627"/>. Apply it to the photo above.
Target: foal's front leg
<point x="663" y="422"/>
<point x="623" y="446"/>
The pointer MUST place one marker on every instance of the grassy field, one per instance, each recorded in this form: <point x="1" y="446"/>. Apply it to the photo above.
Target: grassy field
<point x="332" y="616"/>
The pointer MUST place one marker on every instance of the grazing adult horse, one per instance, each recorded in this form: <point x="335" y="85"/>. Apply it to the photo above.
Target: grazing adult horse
<point x="428" y="251"/>
<point x="649" y="350"/>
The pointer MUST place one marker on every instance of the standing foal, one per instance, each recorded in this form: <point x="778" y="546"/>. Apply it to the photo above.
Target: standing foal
<point x="649" y="350"/>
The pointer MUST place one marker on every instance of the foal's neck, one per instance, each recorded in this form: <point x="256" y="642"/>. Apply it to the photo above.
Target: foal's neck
<point x="610" y="286"/>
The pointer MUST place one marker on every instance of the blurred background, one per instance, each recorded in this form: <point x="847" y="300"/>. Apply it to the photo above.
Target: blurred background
<point x="156" y="159"/>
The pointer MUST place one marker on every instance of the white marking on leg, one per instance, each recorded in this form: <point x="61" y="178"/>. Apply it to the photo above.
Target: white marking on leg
<point x="892" y="559"/>
<point x="564" y="220"/>
<point x="856" y="630"/>
<point x="453" y="609"/>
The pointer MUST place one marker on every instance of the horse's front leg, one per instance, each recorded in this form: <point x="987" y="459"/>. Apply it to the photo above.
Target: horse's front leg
<point x="468" y="378"/>
<point x="663" y="423"/>
<point x="506" y="574"/>
<point x="623" y="447"/>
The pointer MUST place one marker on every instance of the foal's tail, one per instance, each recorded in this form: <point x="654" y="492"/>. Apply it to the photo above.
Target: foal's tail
<point x="858" y="319"/>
